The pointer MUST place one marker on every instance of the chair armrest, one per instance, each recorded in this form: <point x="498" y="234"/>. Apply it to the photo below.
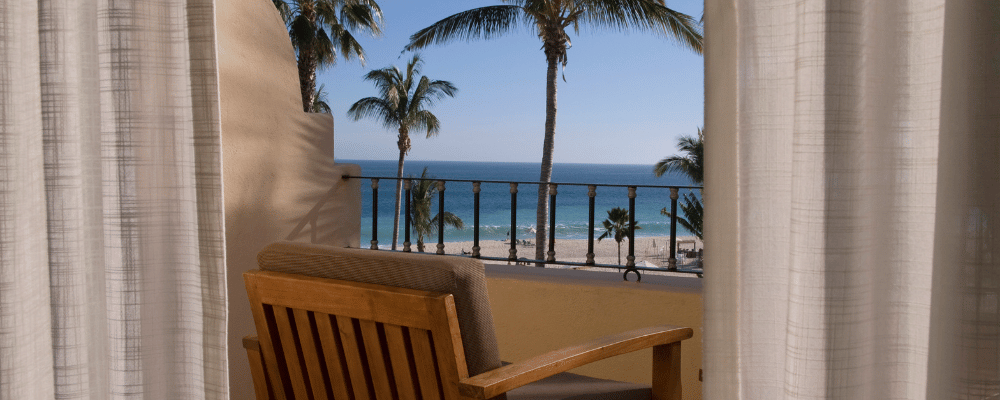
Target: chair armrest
<point x="512" y="376"/>
<point x="250" y="342"/>
<point x="257" y="371"/>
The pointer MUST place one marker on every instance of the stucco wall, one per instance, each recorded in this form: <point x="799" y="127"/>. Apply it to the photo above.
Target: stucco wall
<point x="281" y="182"/>
<point x="539" y="310"/>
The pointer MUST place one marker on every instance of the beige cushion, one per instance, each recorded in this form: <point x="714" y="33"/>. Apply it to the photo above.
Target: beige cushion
<point x="464" y="278"/>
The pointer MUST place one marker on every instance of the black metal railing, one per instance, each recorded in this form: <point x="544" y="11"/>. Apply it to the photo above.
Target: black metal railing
<point x="550" y="258"/>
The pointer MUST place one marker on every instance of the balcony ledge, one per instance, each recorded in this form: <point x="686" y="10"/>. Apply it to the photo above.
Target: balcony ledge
<point x="605" y="278"/>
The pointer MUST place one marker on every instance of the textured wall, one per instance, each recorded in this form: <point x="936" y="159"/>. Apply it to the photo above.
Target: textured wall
<point x="278" y="169"/>
<point x="538" y="310"/>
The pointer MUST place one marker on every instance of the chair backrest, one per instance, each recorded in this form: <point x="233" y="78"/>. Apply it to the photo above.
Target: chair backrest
<point x="323" y="338"/>
<point x="465" y="278"/>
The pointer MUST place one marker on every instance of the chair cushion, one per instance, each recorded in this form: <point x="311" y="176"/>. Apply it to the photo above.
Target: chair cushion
<point x="567" y="386"/>
<point x="464" y="278"/>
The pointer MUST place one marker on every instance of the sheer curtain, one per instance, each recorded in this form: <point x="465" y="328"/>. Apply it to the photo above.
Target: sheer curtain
<point x="111" y="233"/>
<point x="853" y="199"/>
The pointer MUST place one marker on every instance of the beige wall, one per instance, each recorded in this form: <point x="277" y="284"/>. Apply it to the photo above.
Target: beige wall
<point x="539" y="310"/>
<point x="278" y="169"/>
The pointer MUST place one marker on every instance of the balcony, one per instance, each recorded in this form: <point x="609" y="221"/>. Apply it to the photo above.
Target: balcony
<point x="282" y="183"/>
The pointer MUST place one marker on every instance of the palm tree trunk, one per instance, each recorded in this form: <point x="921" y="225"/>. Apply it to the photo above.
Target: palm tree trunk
<point x="403" y="144"/>
<point x="542" y="214"/>
<point x="307" y="64"/>
<point x="619" y="253"/>
<point x="307" y="77"/>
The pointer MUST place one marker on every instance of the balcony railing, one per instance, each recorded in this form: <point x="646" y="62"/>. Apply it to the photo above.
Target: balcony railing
<point x="551" y="258"/>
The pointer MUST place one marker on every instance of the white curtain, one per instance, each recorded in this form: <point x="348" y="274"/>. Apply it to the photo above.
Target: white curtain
<point x="852" y="199"/>
<point x="111" y="221"/>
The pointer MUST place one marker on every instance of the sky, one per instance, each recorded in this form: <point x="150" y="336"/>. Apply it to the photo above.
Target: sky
<point x="626" y="97"/>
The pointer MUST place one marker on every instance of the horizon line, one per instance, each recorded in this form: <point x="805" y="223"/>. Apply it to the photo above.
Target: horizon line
<point x="500" y="162"/>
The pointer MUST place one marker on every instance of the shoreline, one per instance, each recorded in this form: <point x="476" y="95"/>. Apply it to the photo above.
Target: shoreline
<point x="575" y="250"/>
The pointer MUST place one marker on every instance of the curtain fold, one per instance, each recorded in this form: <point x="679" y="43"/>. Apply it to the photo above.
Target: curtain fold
<point x="111" y="238"/>
<point x="852" y="154"/>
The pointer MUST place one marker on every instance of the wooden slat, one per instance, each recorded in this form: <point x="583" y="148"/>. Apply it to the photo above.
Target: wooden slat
<point x="423" y="356"/>
<point x="352" y="355"/>
<point x="448" y="346"/>
<point x="289" y="347"/>
<point x="310" y="354"/>
<point x="355" y="300"/>
<point x="263" y="320"/>
<point x="376" y="361"/>
<point x="256" y="367"/>
<point x="400" y="362"/>
<point x="330" y="341"/>
<point x="667" y="371"/>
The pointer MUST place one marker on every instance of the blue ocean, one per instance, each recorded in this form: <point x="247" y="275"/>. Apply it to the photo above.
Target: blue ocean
<point x="494" y="215"/>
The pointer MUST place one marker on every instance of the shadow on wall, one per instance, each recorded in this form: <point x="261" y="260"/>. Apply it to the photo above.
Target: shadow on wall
<point x="334" y="215"/>
<point x="281" y="180"/>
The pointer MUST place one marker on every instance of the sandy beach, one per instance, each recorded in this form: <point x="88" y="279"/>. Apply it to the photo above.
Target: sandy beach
<point x="650" y="249"/>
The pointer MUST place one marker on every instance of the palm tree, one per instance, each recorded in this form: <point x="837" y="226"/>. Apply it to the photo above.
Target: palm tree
<point x="617" y="226"/>
<point x="693" y="212"/>
<point x="691" y="163"/>
<point x="401" y="105"/>
<point x="319" y="104"/>
<point x="319" y="29"/>
<point x="423" y="192"/>
<point x="549" y="20"/>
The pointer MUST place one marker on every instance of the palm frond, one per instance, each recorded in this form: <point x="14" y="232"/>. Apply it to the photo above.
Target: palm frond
<point x="387" y="80"/>
<point x="693" y="210"/>
<point x="347" y="44"/>
<point x="478" y="23"/>
<point x="649" y="15"/>
<point x="690" y="163"/>
<point x="362" y="16"/>
<point x="284" y="10"/>
<point x="302" y="31"/>
<point x="412" y="70"/>
<point x="424" y="120"/>
<point x="449" y="220"/>
<point x="323" y="49"/>
<point x="428" y="92"/>
<point x="375" y="108"/>
<point x="441" y="88"/>
<point x="319" y="101"/>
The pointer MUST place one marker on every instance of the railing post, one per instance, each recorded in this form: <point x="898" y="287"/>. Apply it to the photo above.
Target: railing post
<point x="631" y="227"/>
<point x="630" y="263"/>
<point x="374" y="214"/>
<point x="440" y="246"/>
<point x="513" y="222"/>
<point x="552" y="224"/>
<point x="592" y="192"/>
<point x="672" y="261"/>
<point x="475" y="233"/>
<point x="408" y="185"/>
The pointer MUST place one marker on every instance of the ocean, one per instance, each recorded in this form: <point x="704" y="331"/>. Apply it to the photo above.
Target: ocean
<point x="494" y="215"/>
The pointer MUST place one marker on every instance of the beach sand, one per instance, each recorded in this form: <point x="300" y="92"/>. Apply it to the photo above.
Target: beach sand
<point x="605" y="251"/>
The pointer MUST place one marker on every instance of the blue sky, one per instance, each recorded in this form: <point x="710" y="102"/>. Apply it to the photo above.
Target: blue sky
<point x="626" y="98"/>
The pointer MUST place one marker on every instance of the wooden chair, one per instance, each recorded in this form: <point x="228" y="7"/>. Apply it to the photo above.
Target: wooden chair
<point x="322" y="338"/>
